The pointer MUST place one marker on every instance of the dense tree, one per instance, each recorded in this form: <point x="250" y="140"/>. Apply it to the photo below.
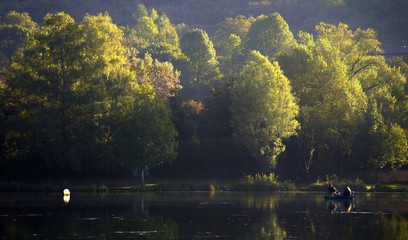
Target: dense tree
<point x="72" y="103"/>
<point x="263" y="108"/>
<point x="379" y="143"/>
<point x="156" y="35"/>
<point x="333" y="77"/>
<point x="42" y="78"/>
<point x="231" y="60"/>
<point x="141" y="11"/>
<point x="269" y="35"/>
<point x="21" y="19"/>
<point x="63" y="84"/>
<point x="76" y="96"/>
<point x="145" y="137"/>
<point x="167" y="31"/>
<point x="14" y="31"/>
<point x="144" y="32"/>
<point x="237" y="26"/>
<point x="203" y="65"/>
<point x="161" y="76"/>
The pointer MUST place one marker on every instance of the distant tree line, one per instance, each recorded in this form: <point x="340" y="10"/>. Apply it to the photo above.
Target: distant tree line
<point x="388" y="18"/>
<point x="92" y="97"/>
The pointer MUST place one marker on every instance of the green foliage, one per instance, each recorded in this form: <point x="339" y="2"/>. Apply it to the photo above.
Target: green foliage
<point x="14" y="31"/>
<point x="269" y="35"/>
<point x="231" y="60"/>
<point x="263" y="108"/>
<point x="157" y="36"/>
<point x="70" y="90"/>
<point x="145" y="136"/>
<point x="140" y="11"/>
<point x="197" y="46"/>
<point x="161" y="76"/>
<point x="21" y="19"/>
<point x="237" y="26"/>
<point x="322" y="183"/>
<point x="264" y="182"/>
<point x="393" y="227"/>
<point x="380" y="143"/>
<point x="334" y="77"/>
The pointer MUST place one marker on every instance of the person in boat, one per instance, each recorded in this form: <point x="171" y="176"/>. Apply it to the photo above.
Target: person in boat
<point x="347" y="191"/>
<point x="332" y="190"/>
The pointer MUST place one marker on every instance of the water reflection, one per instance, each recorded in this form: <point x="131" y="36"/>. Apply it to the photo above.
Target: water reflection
<point x="391" y="227"/>
<point x="340" y="205"/>
<point x="203" y="216"/>
<point x="66" y="198"/>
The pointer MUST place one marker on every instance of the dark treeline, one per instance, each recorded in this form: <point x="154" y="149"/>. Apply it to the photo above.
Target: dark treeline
<point x="96" y="96"/>
<point x="388" y="18"/>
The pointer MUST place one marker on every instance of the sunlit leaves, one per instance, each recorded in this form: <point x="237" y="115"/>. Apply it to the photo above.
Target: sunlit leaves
<point x="333" y="77"/>
<point x="263" y="108"/>
<point x="161" y="76"/>
<point x="237" y="26"/>
<point x="15" y="29"/>
<point x="145" y="136"/>
<point x="197" y="46"/>
<point x="269" y="35"/>
<point x="61" y="81"/>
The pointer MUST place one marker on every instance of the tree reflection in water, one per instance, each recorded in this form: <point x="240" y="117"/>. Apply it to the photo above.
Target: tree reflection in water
<point x="204" y="216"/>
<point x="394" y="227"/>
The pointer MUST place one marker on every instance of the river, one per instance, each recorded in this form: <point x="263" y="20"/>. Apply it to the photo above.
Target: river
<point x="202" y="215"/>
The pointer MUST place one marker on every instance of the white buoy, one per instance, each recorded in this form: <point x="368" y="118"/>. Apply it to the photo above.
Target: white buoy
<point x="66" y="192"/>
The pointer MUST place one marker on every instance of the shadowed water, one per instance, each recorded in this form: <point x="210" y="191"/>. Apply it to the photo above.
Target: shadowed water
<point x="202" y="215"/>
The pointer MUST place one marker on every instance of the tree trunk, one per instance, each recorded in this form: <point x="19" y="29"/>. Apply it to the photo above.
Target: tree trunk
<point x="309" y="161"/>
<point x="142" y="181"/>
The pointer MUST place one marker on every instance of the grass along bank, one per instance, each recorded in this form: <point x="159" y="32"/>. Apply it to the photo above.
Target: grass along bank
<point x="258" y="182"/>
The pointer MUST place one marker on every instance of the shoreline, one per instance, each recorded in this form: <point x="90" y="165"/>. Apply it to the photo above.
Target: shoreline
<point x="163" y="185"/>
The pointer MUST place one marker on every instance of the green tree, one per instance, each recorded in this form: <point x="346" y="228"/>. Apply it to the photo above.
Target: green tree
<point x="140" y="12"/>
<point x="263" y="108"/>
<point x="145" y="136"/>
<point x="144" y="32"/>
<point x="237" y="26"/>
<point x="333" y="77"/>
<point x="230" y="62"/>
<point x="269" y="35"/>
<point x="42" y="78"/>
<point x="14" y="31"/>
<point x="196" y="45"/>
<point x="161" y="76"/>
<point x="21" y="19"/>
<point x="155" y="35"/>
<point x="65" y="82"/>
<point x="167" y="32"/>
<point x="379" y="143"/>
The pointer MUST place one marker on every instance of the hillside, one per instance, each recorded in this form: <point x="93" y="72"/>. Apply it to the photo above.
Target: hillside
<point x="300" y="15"/>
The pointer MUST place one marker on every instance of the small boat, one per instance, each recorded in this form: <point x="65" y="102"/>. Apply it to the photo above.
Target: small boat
<point x="338" y="197"/>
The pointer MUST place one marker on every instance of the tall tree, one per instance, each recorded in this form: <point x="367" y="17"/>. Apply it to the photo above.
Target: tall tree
<point x="333" y="77"/>
<point x="64" y="82"/>
<point x="232" y="59"/>
<point x="155" y="35"/>
<point x="263" y="108"/>
<point x="238" y="26"/>
<point x="203" y="65"/>
<point x="42" y="78"/>
<point x="145" y="136"/>
<point x="14" y="31"/>
<point x="161" y="76"/>
<point x="269" y="35"/>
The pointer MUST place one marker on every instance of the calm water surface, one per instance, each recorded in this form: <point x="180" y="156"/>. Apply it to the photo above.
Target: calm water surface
<point x="202" y="215"/>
